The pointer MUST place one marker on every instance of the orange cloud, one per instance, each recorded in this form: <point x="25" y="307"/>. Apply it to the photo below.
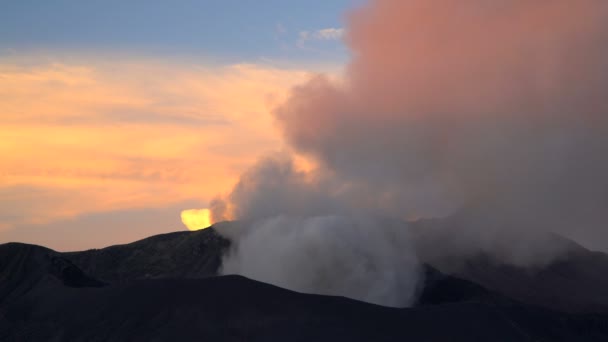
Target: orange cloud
<point x="100" y="136"/>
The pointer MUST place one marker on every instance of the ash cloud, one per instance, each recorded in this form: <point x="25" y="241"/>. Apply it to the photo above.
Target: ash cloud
<point x="274" y="186"/>
<point x="497" y="106"/>
<point x="494" y="112"/>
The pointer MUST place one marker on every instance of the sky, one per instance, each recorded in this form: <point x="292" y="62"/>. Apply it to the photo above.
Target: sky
<point x="116" y="116"/>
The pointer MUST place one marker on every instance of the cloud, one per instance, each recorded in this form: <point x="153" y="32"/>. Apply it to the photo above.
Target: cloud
<point x="99" y="229"/>
<point x="452" y="105"/>
<point x="329" y="34"/>
<point x="326" y="34"/>
<point x="280" y="29"/>
<point x="99" y="136"/>
<point x="491" y="113"/>
<point x="275" y="186"/>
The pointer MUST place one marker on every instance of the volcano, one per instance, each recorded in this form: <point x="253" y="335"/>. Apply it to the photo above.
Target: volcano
<point x="167" y="287"/>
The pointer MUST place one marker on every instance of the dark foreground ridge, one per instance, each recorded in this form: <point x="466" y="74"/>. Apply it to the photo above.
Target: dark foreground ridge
<point x="165" y="288"/>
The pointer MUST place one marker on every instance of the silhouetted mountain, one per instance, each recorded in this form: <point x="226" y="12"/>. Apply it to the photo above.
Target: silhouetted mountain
<point x="175" y="255"/>
<point x="164" y="288"/>
<point x="24" y="268"/>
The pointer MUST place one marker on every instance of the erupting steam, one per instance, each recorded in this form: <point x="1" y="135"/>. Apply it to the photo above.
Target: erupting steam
<point x="495" y="110"/>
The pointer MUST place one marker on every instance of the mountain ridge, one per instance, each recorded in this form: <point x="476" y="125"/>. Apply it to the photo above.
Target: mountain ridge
<point x="167" y="287"/>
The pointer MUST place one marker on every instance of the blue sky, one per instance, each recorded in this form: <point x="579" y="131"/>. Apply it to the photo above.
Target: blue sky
<point x="227" y="31"/>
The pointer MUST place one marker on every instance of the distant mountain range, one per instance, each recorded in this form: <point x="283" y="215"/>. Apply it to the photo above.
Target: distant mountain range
<point x="167" y="288"/>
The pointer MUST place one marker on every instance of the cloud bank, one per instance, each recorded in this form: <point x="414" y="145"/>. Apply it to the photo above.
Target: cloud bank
<point x="88" y="136"/>
<point x="469" y="104"/>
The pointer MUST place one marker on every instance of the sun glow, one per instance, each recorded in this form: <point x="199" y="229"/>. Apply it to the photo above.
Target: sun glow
<point x="196" y="219"/>
<point x="152" y="128"/>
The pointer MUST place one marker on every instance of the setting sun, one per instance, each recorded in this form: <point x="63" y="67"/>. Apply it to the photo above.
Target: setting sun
<point x="196" y="219"/>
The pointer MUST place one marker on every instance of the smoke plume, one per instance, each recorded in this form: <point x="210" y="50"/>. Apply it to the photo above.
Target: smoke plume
<point x="331" y="255"/>
<point x="495" y="110"/>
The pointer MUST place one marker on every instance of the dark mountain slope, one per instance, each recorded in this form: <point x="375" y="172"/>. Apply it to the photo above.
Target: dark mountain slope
<point x="576" y="283"/>
<point x="24" y="268"/>
<point x="160" y="289"/>
<point x="233" y="308"/>
<point x="175" y="255"/>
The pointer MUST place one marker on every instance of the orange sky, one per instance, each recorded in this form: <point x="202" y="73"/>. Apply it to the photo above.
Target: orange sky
<point x="94" y="137"/>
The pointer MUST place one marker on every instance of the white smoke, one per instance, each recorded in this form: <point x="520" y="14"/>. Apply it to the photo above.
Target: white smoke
<point x="331" y="255"/>
<point x="494" y="112"/>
